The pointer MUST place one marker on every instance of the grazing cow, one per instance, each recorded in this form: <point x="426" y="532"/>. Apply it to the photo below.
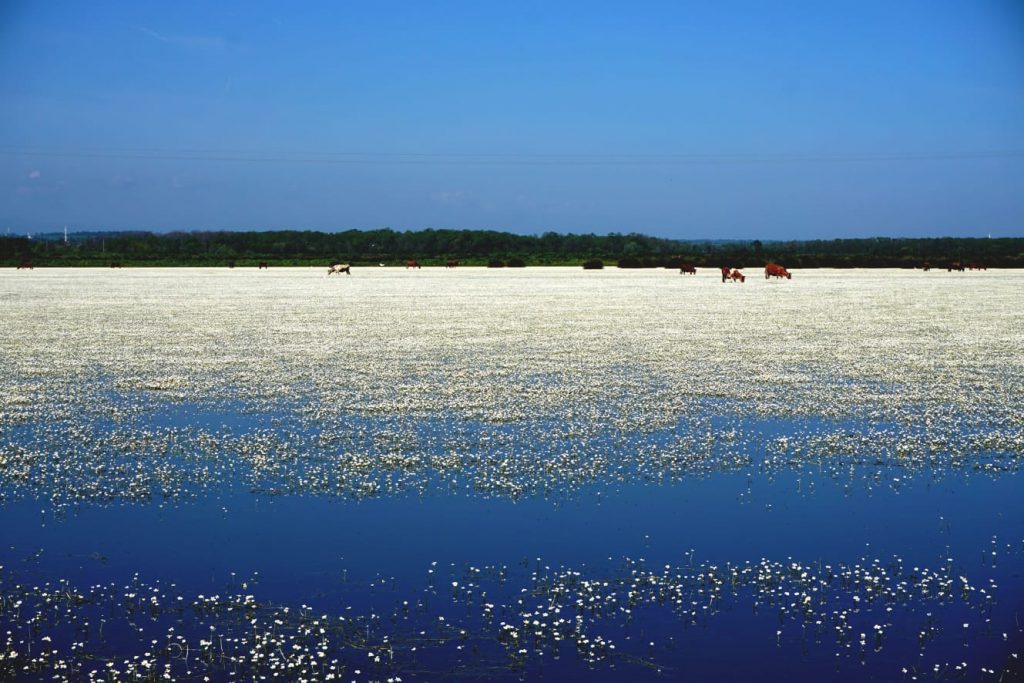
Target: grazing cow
<point x="955" y="265"/>
<point x="340" y="268"/>
<point x="262" y="266"/>
<point x="687" y="269"/>
<point x="974" y="265"/>
<point x="725" y="272"/>
<point x="412" y="263"/>
<point x="451" y="263"/>
<point x="776" y="271"/>
<point x="737" y="276"/>
<point x="25" y="265"/>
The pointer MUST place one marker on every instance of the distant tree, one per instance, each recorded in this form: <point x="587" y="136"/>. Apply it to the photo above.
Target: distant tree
<point x="480" y="246"/>
<point x="758" y="249"/>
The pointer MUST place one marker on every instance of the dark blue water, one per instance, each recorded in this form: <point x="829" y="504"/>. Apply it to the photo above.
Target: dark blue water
<point x="388" y="564"/>
<point x="723" y="517"/>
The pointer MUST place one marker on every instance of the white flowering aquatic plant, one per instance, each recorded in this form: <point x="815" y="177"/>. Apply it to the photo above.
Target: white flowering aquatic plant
<point x="133" y="383"/>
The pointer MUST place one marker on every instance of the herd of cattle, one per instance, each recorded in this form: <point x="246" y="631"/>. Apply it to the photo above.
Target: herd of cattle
<point x="729" y="274"/>
<point x="338" y="268"/>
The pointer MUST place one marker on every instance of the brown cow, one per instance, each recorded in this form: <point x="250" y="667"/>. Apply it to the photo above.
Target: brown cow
<point x="688" y="269"/>
<point x="955" y="265"/>
<point x="451" y="263"/>
<point x="25" y="265"/>
<point x="412" y="263"/>
<point x="737" y="276"/>
<point x="776" y="271"/>
<point x="262" y="266"/>
<point x="974" y="265"/>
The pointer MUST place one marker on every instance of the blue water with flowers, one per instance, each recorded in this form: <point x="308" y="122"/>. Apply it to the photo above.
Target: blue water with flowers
<point x="866" y="570"/>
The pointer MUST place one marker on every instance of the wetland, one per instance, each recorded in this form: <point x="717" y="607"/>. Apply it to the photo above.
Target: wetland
<point x="480" y="474"/>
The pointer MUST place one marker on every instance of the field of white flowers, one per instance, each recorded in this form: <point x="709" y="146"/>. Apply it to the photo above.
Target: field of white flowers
<point x="497" y="341"/>
<point x="929" y="365"/>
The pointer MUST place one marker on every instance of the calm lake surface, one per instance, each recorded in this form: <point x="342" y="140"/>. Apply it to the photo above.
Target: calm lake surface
<point x="500" y="475"/>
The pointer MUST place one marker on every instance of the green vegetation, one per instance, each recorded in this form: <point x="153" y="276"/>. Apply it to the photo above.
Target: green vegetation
<point x="487" y="247"/>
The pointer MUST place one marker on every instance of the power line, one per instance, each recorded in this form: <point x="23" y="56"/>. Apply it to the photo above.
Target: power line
<point x="462" y="159"/>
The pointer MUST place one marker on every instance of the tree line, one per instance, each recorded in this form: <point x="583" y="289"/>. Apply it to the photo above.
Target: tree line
<point x="489" y="247"/>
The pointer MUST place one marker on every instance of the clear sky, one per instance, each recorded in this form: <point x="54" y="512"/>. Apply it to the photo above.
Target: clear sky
<point x="731" y="119"/>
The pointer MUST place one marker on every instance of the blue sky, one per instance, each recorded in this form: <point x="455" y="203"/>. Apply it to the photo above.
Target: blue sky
<point x="733" y="119"/>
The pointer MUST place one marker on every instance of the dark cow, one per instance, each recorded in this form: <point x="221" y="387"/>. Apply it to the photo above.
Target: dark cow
<point x="115" y="264"/>
<point x="262" y="266"/>
<point x="776" y="271"/>
<point x="412" y="263"/>
<point x="451" y="263"/>
<point x="25" y="265"/>
<point x="955" y="265"/>
<point x="688" y="269"/>
<point x="974" y="265"/>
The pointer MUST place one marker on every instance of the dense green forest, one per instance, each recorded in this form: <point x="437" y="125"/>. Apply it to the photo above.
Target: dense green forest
<point x="487" y="247"/>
